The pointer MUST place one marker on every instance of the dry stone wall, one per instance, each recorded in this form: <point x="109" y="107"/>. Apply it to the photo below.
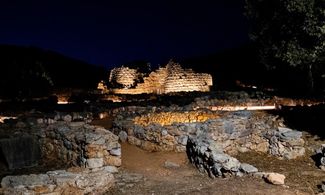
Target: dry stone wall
<point x="80" y="144"/>
<point x="88" y="154"/>
<point x="169" y="79"/>
<point x="89" y="181"/>
<point x="231" y="132"/>
<point x="124" y="76"/>
<point x="209" y="138"/>
<point x="168" y="118"/>
<point x="186" y="80"/>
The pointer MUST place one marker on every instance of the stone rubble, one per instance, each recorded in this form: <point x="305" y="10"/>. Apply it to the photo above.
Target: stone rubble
<point x="286" y="143"/>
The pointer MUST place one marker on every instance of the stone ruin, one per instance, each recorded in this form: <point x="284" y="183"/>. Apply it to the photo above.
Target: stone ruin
<point x="169" y="79"/>
<point x="91" y="154"/>
<point x="77" y="158"/>
<point x="210" y="138"/>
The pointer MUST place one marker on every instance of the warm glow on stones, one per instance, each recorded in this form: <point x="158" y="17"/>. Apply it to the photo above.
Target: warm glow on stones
<point x="103" y="115"/>
<point x="237" y="108"/>
<point x="63" y="102"/>
<point x="3" y="118"/>
<point x="168" y="118"/>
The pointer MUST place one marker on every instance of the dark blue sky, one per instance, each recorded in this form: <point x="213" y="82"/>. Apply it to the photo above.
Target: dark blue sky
<point x="110" y="34"/>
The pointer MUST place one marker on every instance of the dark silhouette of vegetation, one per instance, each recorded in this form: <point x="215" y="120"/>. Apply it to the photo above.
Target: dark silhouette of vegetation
<point x="302" y="118"/>
<point x="290" y="35"/>
<point x="230" y="66"/>
<point x="32" y="72"/>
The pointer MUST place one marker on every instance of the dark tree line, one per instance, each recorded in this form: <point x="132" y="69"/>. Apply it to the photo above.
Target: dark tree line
<point x="290" y="35"/>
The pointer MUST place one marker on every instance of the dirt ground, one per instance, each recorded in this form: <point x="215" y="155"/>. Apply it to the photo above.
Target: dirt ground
<point x="143" y="172"/>
<point x="301" y="173"/>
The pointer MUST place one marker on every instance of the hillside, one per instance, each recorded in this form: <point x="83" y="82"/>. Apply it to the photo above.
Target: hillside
<point x="30" y="72"/>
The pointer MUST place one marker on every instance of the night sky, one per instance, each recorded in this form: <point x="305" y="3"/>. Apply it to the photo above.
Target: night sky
<point x="109" y="34"/>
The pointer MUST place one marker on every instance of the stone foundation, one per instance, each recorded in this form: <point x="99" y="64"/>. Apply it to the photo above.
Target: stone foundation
<point x="92" y="153"/>
<point x="210" y="138"/>
<point x="232" y="132"/>
<point x="80" y="144"/>
<point x="94" y="181"/>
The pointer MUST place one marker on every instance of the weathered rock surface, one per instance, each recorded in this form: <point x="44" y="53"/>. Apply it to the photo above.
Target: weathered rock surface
<point x="92" y="150"/>
<point x="213" y="160"/>
<point x="210" y="142"/>
<point x="171" y="165"/>
<point x="61" y="181"/>
<point x="275" y="178"/>
<point x="234" y="132"/>
<point x="247" y="168"/>
<point x="80" y="144"/>
<point x="285" y="143"/>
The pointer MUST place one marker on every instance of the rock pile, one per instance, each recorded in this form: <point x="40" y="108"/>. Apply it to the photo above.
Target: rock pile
<point x="210" y="158"/>
<point x="285" y="143"/>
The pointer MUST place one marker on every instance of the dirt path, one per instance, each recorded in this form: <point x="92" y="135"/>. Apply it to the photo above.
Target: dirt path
<point x="146" y="173"/>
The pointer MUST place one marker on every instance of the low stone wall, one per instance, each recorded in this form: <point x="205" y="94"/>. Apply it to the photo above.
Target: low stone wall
<point x="168" y="118"/>
<point x="187" y="80"/>
<point x="94" y="181"/>
<point x="210" y="150"/>
<point x="165" y="131"/>
<point x="92" y="153"/>
<point x="210" y="138"/>
<point x="232" y="132"/>
<point x="80" y="144"/>
<point x="247" y="99"/>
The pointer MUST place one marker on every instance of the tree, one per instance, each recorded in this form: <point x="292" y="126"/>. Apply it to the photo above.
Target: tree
<point x="289" y="33"/>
